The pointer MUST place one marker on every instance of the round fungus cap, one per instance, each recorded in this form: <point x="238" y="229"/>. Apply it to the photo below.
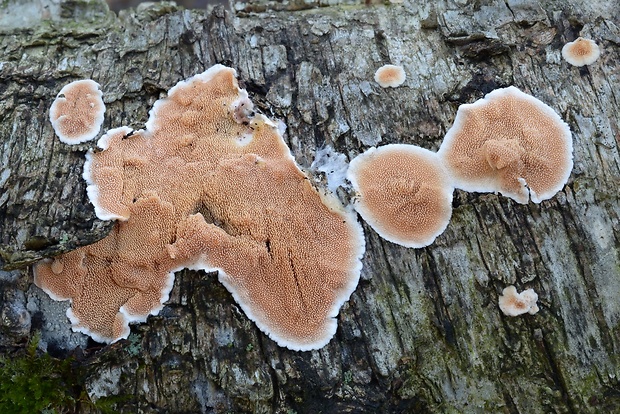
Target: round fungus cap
<point x="77" y="112"/>
<point x="403" y="193"/>
<point x="509" y="142"/>
<point x="514" y="304"/>
<point x="581" y="52"/>
<point x="390" y="76"/>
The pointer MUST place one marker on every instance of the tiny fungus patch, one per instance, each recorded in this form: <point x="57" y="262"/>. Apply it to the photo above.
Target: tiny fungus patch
<point x="209" y="185"/>
<point x="509" y="142"/>
<point x="77" y="112"/>
<point x="390" y="76"/>
<point x="514" y="304"/>
<point x="581" y="52"/>
<point x="403" y="193"/>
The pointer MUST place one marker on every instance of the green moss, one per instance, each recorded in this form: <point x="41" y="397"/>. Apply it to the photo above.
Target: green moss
<point x="37" y="243"/>
<point x="108" y="405"/>
<point x="35" y="382"/>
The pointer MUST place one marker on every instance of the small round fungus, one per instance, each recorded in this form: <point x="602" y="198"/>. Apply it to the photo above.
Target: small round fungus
<point x="514" y="304"/>
<point x="77" y="112"/>
<point x="581" y="52"/>
<point x="390" y="76"/>
<point x="509" y="142"/>
<point x="403" y="193"/>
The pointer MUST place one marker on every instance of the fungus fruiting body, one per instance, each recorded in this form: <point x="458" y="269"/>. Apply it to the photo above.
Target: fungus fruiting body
<point x="77" y="112"/>
<point x="390" y="76"/>
<point x="508" y="142"/>
<point x="581" y="52"/>
<point x="512" y="303"/>
<point x="403" y="193"/>
<point x="209" y="185"/>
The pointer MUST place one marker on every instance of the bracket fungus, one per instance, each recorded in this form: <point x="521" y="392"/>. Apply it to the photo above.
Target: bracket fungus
<point x="581" y="52"/>
<point x="403" y="193"/>
<point x="509" y="142"/>
<point x="77" y="112"/>
<point x="390" y="76"/>
<point x="514" y="304"/>
<point x="209" y="185"/>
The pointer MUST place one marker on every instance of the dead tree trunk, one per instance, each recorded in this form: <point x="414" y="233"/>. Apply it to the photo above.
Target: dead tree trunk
<point x="422" y="332"/>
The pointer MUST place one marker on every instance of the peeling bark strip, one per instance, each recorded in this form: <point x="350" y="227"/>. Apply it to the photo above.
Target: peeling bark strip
<point x="423" y="331"/>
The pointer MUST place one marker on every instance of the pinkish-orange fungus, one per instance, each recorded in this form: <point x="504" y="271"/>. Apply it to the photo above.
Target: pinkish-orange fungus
<point x="390" y="76"/>
<point x="77" y="112"/>
<point x="209" y="185"/>
<point x="581" y="52"/>
<point x="509" y="142"/>
<point x="513" y="303"/>
<point x="403" y="193"/>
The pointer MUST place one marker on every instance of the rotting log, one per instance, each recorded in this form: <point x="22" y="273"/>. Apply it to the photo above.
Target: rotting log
<point x="422" y="332"/>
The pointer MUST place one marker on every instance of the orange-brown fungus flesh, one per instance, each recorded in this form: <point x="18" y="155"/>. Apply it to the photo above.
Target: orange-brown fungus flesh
<point x="513" y="303"/>
<point x="77" y="112"/>
<point x="581" y="52"/>
<point x="203" y="188"/>
<point x="404" y="194"/>
<point x="390" y="76"/>
<point x="508" y="142"/>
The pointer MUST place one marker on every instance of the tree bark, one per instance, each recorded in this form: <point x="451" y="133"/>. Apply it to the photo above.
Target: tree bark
<point x="422" y="332"/>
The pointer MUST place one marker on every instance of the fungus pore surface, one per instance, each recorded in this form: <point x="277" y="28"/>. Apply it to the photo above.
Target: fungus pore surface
<point x="581" y="52"/>
<point x="390" y="76"/>
<point x="77" y="112"/>
<point x="509" y="142"/>
<point x="209" y="185"/>
<point x="403" y="193"/>
<point x="514" y="304"/>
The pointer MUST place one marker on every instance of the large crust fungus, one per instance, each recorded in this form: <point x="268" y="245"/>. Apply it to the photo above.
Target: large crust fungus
<point x="77" y="112"/>
<point x="581" y="52"/>
<point x="209" y="185"/>
<point x="390" y="76"/>
<point x="403" y="193"/>
<point x="509" y="142"/>
<point x="514" y="304"/>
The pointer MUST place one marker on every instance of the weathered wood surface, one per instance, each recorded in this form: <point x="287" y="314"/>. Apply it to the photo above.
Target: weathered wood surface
<point x="422" y="332"/>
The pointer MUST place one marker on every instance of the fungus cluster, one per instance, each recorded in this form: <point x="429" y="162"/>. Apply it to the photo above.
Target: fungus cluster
<point x="514" y="304"/>
<point x="508" y="142"/>
<point x="581" y="52"/>
<point x="211" y="185"/>
<point x="77" y="112"/>
<point x="208" y="185"/>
